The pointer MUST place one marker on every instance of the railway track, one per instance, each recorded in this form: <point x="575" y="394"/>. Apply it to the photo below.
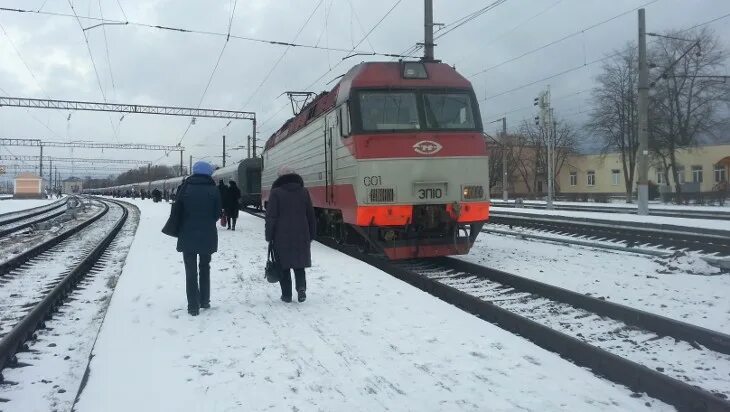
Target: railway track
<point x="678" y="363"/>
<point x="630" y="234"/>
<point x="16" y="221"/>
<point x="31" y="290"/>
<point x="687" y="214"/>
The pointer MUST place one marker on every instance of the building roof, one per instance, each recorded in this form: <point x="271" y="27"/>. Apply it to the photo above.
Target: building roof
<point x="28" y="175"/>
<point x="72" y="179"/>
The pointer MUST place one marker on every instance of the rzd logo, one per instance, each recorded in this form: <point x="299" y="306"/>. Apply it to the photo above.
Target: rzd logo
<point x="427" y="147"/>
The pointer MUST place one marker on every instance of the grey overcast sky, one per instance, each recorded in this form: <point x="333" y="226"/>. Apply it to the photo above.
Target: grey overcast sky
<point x="45" y="55"/>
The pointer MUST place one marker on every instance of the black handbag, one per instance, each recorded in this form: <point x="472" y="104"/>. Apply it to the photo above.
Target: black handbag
<point x="273" y="268"/>
<point x="174" y="221"/>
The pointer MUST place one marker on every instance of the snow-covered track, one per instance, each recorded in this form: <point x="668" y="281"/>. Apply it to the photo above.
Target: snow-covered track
<point x="630" y="233"/>
<point x="13" y="217"/>
<point x="524" y="309"/>
<point x="560" y="308"/>
<point x="46" y="292"/>
<point x="22" y="222"/>
<point x="685" y="213"/>
<point x="25" y="256"/>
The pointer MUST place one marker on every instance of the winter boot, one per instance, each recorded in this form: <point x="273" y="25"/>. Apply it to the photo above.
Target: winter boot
<point x="193" y="312"/>
<point x="302" y="295"/>
<point x="285" y="299"/>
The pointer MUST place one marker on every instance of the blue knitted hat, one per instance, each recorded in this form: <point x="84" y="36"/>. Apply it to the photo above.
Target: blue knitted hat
<point x="202" y="168"/>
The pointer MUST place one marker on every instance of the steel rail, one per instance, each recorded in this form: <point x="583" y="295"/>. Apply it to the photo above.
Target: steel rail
<point x="620" y="370"/>
<point x="16" y="228"/>
<point x="704" y="240"/>
<point x="36" y="250"/>
<point x="687" y="214"/>
<point x="24" y="214"/>
<point x="14" y="341"/>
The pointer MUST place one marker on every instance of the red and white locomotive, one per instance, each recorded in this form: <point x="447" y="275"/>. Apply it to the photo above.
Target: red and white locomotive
<point x="393" y="156"/>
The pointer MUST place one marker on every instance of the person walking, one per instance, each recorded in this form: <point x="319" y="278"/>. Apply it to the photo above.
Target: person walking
<point x="223" y="190"/>
<point x="198" y="237"/>
<point x="231" y="205"/>
<point x="290" y="227"/>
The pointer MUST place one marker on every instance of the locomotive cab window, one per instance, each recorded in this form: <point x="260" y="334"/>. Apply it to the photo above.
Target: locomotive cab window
<point x="448" y="111"/>
<point x="388" y="111"/>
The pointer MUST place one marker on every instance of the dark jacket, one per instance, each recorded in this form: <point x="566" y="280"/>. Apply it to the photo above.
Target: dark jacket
<point x="290" y="222"/>
<point x="223" y="190"/>
<point x="230" y="201"/>
<point x="201" y="204"/>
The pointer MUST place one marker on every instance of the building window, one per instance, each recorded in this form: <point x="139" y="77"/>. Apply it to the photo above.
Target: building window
<point x="660" y="176"/>
<point x="680" y="174"/>
<point x="573" y="179"/>
<point x="697" y="174"/>
<point x="615" y="177"/>
<point x="720" y="174"/>
<point x="591" y="177"/>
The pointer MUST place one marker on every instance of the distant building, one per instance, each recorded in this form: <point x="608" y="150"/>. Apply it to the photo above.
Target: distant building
<point x="73" y="185"/>
<point x="28" y="186"/>
<point x="702" y="169"/>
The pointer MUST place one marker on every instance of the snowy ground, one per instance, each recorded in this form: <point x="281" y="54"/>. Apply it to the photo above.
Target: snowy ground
<point x="684" y="288"/>
<point x="621" y="217"/>
<point x="623" y="204"/>
<point x="363" y="341"/>
<point x="58" y="358"/>
<point x="14" y="205"/>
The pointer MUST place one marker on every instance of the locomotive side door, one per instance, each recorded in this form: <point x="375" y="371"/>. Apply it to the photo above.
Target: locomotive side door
<point x="329" y="160"/>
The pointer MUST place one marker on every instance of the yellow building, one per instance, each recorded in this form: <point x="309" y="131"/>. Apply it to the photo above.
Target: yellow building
<point x="701" y="169"/>
<point x="28" y="186"/>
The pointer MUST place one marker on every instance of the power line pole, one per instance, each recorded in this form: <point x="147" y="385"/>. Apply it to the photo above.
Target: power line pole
<point x="551" y="155"/>
<point x="181" y="163"/>
<point x="505" y="194"/>
<point x="224" y="150"/>
<point x="50" y="173"/>
<point x="428" y="31"/>
<point x="253" y="138"/>
<point x="40" y="168"/>
<point x="190" y="163"/>
<point x="643" y="161"/>
<point x="248" y="147"/>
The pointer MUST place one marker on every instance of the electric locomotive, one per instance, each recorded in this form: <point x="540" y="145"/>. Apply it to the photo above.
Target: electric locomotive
<point x="394" y="158"/>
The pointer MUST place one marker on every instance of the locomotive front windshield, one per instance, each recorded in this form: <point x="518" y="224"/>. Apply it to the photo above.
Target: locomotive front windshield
<point x="382" y="111"/>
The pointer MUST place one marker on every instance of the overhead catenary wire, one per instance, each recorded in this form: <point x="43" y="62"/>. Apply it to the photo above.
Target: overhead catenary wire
<point x="108" y="57"/>
<point x="272" y="42"/>
<point x="25" y="63"/>
<point x="281" y="57"/>
<point x="560" y="40"/>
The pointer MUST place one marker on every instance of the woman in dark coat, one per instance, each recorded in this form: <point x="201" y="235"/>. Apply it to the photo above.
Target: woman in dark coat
<point x="223" y="190"/>
<point x="230" y="204"/>
<point x="201" y="206"/>
<point x="291" y="226"/>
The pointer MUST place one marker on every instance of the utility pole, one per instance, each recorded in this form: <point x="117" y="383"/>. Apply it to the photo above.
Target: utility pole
<point x="149" y="172"/>
<point x="551" y="155"/>
<point x="40" y="168"/>
<point x="190" y="162"/>
<point x="50" y="173"/>
<point x="181" y="163"/>
<point x="643" y="161"/>
<point x="505" y="194"/>
<point x="248" y="147"/>
<point x="428" y="31"/>
<point x="253" y="139"/>
<point x="224" y="150"/>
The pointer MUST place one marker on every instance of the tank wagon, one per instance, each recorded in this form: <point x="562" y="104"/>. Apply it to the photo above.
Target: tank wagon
<point x="394" y="158"/>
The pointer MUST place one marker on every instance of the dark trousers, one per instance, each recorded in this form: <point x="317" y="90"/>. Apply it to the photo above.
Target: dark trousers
<point x="231" y="221"/>
<point x="285" y="281"/>
<point x="197" y="297"/>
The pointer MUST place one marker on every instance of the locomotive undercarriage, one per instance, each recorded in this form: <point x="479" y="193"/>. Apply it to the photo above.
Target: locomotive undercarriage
<point x="432" y="227"/>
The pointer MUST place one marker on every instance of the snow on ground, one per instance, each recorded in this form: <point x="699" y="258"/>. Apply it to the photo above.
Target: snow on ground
<point x="363" y="341"/>
<point x="57" y="359"/>
<point x="623" y="204"/>
<point x="14" y="205"/>
<point x="621" y="217"/>
<point x="683" y="288"/>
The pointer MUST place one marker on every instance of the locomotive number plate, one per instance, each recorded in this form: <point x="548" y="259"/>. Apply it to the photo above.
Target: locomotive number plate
<point x="426" y="191"/>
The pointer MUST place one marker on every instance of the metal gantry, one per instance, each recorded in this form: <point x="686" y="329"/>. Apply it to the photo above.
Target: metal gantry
<point x="72" y="159"/>
<point x="88" y="145"/>
<point x="125" y="108"/>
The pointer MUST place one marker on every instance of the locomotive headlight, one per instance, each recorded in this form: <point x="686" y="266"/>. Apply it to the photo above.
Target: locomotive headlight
<point x="475" y="192"/>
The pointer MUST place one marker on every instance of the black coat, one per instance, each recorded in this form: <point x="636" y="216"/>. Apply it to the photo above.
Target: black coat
<point x="201" y="205"/>
<point x="223" y="190"/>
<point x="230" y="201"/>
<point x="290" y="222"/>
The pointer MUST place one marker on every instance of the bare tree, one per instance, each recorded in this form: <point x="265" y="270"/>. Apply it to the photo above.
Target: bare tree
<point x="536" y="137"/>
<point x="614" y="115"/>
<point x="687" y="95"/>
